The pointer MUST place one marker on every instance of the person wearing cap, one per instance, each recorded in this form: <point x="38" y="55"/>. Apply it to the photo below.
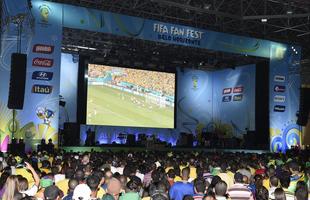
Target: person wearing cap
<point x="82" y="191"/>
<point x="52" y="193"/>
<point x="239" y="190"/>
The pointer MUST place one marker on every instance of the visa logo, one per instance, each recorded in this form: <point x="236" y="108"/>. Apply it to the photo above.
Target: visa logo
<point x="278" y="108"/>
<point x="279" y="88"/>
<point x="238" y="97"/>
<point x="279" y="99"/>
<point x="42" y="89"/>
<point x="226" y="98"/>
<point x="41" y="75"/>
<point x="278" y="78"/>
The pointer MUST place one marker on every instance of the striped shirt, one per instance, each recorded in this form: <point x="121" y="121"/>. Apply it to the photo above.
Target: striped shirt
<point x="240" y="192"/>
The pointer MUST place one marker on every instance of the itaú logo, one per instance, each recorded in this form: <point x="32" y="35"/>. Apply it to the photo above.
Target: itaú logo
<point x="42" y="62"/>
<point x="42" y="89"/>
<point x="42" y="48"/>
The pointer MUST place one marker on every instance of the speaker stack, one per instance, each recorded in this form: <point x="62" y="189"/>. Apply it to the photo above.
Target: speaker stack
<point x="17" y="81"/>
<point x="304" y="106"/>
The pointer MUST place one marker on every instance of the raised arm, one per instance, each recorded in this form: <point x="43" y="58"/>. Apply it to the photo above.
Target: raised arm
<point x="34" y="174"/>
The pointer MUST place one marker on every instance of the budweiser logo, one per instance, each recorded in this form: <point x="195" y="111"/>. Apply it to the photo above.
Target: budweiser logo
<point x="42" y="62"/>
<point x="42" y="48"/>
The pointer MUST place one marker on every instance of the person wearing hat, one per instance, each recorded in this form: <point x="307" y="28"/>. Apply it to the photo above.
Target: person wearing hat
<point x="239" y="190"/>
<point x="52" y="193"/>
<point x="82" y="191"/>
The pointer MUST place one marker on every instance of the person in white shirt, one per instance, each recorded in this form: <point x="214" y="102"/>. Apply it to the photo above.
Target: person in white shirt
<point x="274" y="183"/>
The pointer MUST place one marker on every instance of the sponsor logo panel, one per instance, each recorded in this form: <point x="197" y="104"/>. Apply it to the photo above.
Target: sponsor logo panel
<point x="279" y="99"/>
<point x="42" y="62"/>
<point x="42" y="89"/>
<point x="227" y="90"/>
<point x="278" y="108"/>
<point x="42" y="48"/>
<point x="226" y="98"/>
<point x="238" y="89"/>
<point x="238" y="97"/>
<point x="41" y="75"/>
<point x="279" y="78"/>
<point x="279" y="88"/>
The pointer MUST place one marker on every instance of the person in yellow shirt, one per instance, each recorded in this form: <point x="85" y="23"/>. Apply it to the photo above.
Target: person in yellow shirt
<point x="71" y="185"/>
<point x="46" y="167"/>
<point x="63" y="184"/>
<point x="225" y="176"/>
<point x="24" y="186"/>
<point x="269" y="173"/>
<point x="177" y="174"/>
<point x="193" y="170"/>
<point x="100" y="175"/>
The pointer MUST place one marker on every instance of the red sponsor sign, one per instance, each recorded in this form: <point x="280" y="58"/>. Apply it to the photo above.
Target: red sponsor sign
<point x="238" y="89"/>
<point x="42" y="62"/>
<point x="42" y="48"/>
<point x="227" y="90"/>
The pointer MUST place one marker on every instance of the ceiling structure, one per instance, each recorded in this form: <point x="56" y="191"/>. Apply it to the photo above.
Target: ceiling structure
<point x="285" y="21"/>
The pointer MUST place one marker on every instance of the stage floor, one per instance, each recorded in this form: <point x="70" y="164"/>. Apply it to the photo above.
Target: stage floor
<point x="127" y="148"/>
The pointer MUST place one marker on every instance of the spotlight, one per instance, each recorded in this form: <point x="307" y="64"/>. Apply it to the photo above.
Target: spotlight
<point x="264" y="20"/>
<point x="289" y="12"/>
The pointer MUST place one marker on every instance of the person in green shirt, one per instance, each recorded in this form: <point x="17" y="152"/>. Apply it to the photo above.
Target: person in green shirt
<point x="132" y="189"/>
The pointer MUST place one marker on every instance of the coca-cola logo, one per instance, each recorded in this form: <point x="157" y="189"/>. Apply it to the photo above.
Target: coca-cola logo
<point x="42" y="62"/>
<point x="42" y="48"/>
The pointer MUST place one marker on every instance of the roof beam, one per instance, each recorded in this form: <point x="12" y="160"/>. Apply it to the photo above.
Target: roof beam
<point x="286" y="16"/>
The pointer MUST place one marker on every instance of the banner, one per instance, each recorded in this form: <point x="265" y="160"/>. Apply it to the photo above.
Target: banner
<point x="42" y="44"/>
<point x="145" y="29"/>
<point x="284" y="100"/>
<point x="204" y="97"/>
<point x="234" y="101"/>
<point x="68" y="88"/>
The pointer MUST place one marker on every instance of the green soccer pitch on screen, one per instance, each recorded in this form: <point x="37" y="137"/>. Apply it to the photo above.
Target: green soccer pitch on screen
<point x="130" y="97"/>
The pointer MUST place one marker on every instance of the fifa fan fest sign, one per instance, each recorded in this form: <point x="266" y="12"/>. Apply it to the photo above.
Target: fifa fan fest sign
<point x="41" y="42"/>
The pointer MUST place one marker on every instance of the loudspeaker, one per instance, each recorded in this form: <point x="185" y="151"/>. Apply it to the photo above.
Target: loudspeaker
<point x="131" y="139"/>
<point x="17" y="81"/>
<point x="304" y="106"/>
<point x="71" y="134"/>
<point x="190" y="139"/>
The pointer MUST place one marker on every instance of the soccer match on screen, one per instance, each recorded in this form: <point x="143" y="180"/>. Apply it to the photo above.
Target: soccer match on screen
<point x="130" y="97"/>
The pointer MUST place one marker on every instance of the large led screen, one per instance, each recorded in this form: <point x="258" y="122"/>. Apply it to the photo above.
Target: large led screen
<point x="130" y="97"/>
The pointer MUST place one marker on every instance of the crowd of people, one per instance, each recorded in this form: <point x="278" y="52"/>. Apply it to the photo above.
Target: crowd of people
<point x="159" y="175"/>
<point x="156" y="81"/>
